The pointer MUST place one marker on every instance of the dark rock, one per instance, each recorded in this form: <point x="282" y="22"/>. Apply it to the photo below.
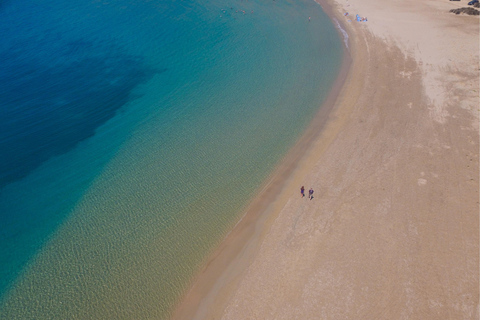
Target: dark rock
<point x="466" y="10"/>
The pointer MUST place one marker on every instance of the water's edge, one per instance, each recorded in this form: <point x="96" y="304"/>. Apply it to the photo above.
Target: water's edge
<point x="226" y="262"/>
<point x="120" y="252"/>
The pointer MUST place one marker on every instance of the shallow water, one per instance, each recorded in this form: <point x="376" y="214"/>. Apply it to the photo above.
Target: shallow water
<point x="133" y="134"/>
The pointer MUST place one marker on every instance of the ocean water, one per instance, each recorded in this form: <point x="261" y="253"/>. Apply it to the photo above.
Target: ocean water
<point x="132" y="136"/>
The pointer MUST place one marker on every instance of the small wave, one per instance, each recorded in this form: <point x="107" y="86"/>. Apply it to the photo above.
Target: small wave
<point x="345" y="34"/>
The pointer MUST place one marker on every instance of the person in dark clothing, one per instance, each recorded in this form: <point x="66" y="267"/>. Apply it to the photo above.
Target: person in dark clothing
<point x="302" y="191"/>
<point x="310" y="193"/>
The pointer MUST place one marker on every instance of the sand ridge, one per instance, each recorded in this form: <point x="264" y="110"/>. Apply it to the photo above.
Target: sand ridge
<point x="393" y="230"/>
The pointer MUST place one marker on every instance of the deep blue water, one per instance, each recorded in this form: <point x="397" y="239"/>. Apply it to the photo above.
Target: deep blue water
<point x="48" y="109"/>
<point x="61" y="77"/>
<point x="78" y="80"/>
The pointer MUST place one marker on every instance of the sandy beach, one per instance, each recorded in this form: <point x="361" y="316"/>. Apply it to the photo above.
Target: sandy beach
<point x="393" y="229"/>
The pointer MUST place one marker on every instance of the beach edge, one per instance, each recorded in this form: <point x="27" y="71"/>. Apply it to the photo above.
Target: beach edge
<point x="210" y="287"/>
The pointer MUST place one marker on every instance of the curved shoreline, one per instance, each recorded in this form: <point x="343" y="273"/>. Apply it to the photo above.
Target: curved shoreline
<point x="393" y="231"/>
<point x="227" y="262"/>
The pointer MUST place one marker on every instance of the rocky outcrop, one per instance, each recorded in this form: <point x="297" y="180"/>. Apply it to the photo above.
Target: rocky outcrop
<point x="467" y="10"/>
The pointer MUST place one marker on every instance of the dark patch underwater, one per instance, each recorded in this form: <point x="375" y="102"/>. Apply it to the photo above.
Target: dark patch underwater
<point x="46" y="109"/>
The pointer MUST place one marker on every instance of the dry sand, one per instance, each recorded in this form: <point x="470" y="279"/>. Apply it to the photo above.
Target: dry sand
<point x="393" y="229"/>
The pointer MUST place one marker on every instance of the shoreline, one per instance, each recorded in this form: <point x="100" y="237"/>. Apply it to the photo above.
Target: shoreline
<point x="393" y="230"/>
<point x="232" y="255"/>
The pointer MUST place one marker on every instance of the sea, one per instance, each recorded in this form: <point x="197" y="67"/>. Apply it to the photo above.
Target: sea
<point x="133" y="134"/>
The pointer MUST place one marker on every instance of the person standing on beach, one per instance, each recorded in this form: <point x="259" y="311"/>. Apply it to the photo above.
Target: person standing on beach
<point x="310" y="193"/>
<point x="302" y="191"/>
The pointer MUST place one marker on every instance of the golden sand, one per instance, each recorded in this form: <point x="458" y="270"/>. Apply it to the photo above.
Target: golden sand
<point x="393" y="229"/>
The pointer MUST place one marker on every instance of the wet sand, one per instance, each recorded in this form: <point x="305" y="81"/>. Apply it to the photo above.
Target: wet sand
<point x="393" y="229"/>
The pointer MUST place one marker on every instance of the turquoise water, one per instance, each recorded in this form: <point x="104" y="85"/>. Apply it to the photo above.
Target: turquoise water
<point x="132" y="136"/>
